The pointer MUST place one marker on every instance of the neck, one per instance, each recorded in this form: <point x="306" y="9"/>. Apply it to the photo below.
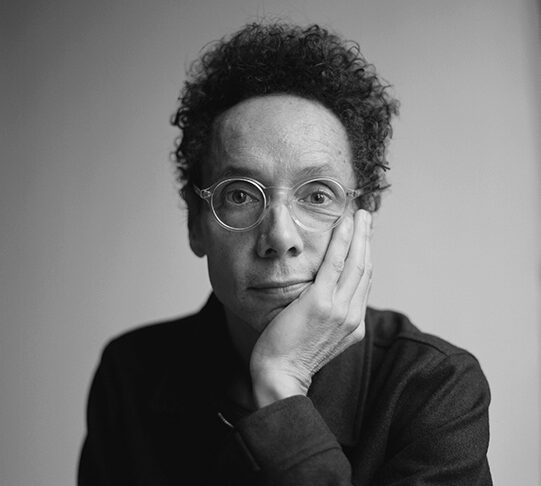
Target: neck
<point x="243" y="337"/>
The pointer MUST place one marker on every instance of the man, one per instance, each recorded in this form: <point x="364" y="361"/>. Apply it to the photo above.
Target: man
<point x="285" y="376"/>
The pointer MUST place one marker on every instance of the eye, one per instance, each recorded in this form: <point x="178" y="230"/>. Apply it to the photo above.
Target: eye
<point x="239" y="197"/>
<point x="315" y="194"/>
<point x="317" y="197"/>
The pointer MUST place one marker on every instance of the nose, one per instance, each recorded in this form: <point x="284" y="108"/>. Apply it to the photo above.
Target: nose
<point x="278" y="234"/>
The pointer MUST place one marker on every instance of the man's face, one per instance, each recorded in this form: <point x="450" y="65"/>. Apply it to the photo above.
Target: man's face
<point x="279" y="140"/>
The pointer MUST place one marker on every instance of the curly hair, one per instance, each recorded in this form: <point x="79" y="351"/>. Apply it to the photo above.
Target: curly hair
<point x="310" y="62"/>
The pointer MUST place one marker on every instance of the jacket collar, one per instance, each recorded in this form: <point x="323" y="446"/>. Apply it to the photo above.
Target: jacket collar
<point x="338" y="390"/>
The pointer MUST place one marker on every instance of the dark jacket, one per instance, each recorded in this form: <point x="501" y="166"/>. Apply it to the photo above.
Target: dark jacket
<point x="399" y="408"/>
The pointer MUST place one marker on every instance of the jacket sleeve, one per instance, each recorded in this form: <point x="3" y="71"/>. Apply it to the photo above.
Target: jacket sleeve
<point x="438" y="436"/>
<point x="293" y="446"/>
<point x="440" y="432"/>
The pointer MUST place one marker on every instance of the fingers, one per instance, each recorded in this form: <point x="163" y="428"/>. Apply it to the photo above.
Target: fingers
<point x="359" y="301"/>
<point x="346" y="274"/>
<point x="333" y="263"/>
<point x="358" y="273"/>
<point x="355" y="318"/>
<point x="358" y="261"/>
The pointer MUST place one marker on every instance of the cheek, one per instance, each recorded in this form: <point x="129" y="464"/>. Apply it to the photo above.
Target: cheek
<point x="222" y="269"/>
<point x="315" y="247"/>
<point x="227" y="257"/>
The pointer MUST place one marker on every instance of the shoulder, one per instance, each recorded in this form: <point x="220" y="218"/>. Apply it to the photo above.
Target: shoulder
<point x="400" y="349"/>
<point x="413" y="360"/>
<point x="422" y="376"/>
<point x="391" y="330"/>
<point x="151" y="345"/>
<point x="170" y="341"/>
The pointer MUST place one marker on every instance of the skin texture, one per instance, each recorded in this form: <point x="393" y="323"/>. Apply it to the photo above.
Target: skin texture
<point x="293" y="299"/>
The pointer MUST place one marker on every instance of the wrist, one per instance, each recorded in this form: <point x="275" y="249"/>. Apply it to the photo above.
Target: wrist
<point x="268" y="388"/>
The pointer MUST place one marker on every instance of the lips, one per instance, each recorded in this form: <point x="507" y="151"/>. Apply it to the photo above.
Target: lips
<point x="289" y="289"/>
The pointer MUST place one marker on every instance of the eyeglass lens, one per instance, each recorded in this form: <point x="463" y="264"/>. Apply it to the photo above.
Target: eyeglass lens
<point x="316" y="204"/>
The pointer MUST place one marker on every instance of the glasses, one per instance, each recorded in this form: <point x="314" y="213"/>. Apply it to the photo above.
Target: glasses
<point x="240" y="204"/>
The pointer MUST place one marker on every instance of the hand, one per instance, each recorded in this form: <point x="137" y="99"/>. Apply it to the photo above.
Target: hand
<point x="326" y="319"/>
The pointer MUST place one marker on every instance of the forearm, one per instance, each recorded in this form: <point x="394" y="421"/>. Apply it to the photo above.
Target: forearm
<point x="291" y="445"/>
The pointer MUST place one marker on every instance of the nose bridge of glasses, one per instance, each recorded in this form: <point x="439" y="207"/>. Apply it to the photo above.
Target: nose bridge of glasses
<point x="278" y="214"/>
<point x="278" y="204"/>
<point x="276" y="195"/>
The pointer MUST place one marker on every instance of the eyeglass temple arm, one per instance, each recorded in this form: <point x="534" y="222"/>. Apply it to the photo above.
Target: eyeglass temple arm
<point x="355" y="193"/>
<point x="202" y="193"/>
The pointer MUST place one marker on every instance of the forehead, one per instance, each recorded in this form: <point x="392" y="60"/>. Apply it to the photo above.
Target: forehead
<point x="279" y="138"/>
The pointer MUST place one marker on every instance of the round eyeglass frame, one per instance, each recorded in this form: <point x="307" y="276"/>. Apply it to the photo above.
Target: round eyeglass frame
<point x="207" y="194"/>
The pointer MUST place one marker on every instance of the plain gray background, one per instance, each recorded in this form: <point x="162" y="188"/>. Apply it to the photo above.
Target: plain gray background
<point x="93" y="238"/>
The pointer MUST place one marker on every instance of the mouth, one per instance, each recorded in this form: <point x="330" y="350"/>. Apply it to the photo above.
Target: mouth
<point x="286" y="289"/>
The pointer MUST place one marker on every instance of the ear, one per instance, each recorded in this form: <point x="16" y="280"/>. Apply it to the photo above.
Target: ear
<point x="196" y="238"/>
<point x="196" y="234"/>
<point x="195" y="226"/>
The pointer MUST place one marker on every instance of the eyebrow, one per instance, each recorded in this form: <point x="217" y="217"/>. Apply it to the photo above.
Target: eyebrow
<point x="326" y="169"/>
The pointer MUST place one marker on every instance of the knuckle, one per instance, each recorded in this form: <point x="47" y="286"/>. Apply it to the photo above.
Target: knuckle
<point x="340" y="315"/>
<point x="369" y="270"/>
<point x="323" y="307"/>
<point x="350" y="325"/>
<point x="338" y="265"/>
<point x="359" y="333"/>
<point x="361" y="269"/>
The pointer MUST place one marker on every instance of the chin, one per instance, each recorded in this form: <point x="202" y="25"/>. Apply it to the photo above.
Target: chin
<point x="258" y="318"/>
<point x="254" y="311"/>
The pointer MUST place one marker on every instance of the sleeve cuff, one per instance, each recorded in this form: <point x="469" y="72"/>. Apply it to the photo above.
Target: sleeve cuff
<point x="285" y="433"/>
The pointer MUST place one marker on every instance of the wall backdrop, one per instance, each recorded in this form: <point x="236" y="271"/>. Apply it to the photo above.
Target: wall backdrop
<point x="93" y="237"/>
